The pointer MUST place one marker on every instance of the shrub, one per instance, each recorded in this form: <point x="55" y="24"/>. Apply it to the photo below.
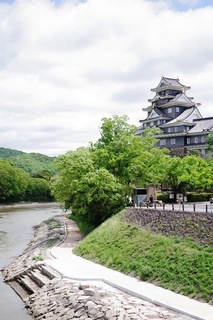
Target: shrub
<point x="163" y="197"/>
<point x="198" y="197"/>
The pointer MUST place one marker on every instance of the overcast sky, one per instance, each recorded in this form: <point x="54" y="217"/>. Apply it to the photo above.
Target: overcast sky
<point x="64" y="65"/>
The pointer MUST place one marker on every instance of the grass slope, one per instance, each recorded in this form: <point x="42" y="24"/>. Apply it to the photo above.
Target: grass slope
<point x="182" y="266"/>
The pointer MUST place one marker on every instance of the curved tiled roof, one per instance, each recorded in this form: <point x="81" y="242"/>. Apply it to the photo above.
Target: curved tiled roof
<point x="170" y="82"/>
<point x="204" y="124"/>
<point x="186" y="116"/>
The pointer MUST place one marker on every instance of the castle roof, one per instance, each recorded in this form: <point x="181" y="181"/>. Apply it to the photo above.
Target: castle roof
<point x="170" y="83"/>
<point x="203" y="124"/>
<point x="187" y="117"/>
<point x="177" y="115"/>
<point x="156" y="114"/>
<point x="158" y="97"/>
<point x="182" y="99"/>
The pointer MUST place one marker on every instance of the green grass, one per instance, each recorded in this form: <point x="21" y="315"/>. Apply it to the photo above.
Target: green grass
<point x="179" y="265"/>
<point x="84" y="227"/>
<point x="55" y="223"/>
<point x="38" y="258"/>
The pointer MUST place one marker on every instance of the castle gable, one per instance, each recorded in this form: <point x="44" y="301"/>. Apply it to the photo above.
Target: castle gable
<point x="153" y="114"/>
<point x="186" y="117"/>
<point x="182" y="98"/>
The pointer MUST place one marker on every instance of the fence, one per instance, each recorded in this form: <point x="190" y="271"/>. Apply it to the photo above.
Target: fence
<point x="189" y="207"/>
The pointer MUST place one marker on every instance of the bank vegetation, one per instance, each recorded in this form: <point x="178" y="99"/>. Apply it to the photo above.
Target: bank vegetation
<point x="170" y="249"/>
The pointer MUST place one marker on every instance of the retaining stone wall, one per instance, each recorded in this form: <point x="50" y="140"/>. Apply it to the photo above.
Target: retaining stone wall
<point x="195" y="225"/>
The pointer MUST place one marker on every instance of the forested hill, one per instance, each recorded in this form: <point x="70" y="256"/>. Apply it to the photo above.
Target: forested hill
<point x="30" y="162"/>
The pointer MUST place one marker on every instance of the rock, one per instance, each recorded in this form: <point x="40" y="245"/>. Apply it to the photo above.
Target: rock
<point x="89" y="292"/>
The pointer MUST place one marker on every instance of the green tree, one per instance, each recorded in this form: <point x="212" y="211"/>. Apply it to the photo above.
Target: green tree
<point x="187" y="173"/>
<point x="13" y="182"/>
<point x="149" y="164"/>
<point x="98" y="196"/>
<point x="116" y="147"/>
<point x="132" y="159"/>
<point x="198" y="173"/>
<point x="92" y="194"/>
<point x="71" y="167"/>
<point x="44" y="174"/>
<point x="38" y="189"/>
<point x="174" y="174"/>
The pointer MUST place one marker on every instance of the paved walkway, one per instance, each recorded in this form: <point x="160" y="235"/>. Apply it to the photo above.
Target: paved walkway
<point x="77" y="268"/>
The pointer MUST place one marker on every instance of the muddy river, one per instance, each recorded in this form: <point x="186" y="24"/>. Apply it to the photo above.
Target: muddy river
<point x="16" y="230"/>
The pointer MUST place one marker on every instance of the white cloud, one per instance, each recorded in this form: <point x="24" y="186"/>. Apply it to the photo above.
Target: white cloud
<point x="63" y="68"/>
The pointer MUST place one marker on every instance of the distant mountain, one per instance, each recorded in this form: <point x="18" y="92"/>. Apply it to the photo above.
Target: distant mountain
<point x="32" y="163"/>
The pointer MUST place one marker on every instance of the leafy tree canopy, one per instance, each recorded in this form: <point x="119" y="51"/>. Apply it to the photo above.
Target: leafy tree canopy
<point x="92" y="194"/>
<point x="16" y="184"/>
<point x="98" y="195"/>
<point x="71" y="167"/>
<point x="130" y="158"/>
<point x="37" y="189"/>
<point x="190" y="172"/>
<point x="13" y="181"/>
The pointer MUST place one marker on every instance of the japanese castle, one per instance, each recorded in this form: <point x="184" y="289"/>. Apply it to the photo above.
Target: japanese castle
<point x="183" y="128"/>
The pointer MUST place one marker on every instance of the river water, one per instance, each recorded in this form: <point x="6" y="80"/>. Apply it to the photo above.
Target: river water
<point x="16" y="230"/>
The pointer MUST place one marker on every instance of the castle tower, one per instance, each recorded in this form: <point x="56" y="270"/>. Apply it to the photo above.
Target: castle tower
<point x="182" y="126"/>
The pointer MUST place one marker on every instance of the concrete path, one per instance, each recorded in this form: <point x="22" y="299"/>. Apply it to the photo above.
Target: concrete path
<point x="77" y="268"/>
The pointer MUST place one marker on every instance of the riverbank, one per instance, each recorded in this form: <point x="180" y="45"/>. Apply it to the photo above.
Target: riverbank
<point x="69" y="299"/>
<point x="27" y="204"/>
<point x="47" y="234"/>
<point x="16" y="231"/>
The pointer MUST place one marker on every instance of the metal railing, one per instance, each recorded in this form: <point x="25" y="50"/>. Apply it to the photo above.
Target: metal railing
<point x="189" y="207"/>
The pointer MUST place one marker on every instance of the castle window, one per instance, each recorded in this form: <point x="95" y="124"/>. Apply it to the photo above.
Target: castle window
<point x="169" y="110"/>
<point x="203" y="139"/>
<point x="176" y="129"/>
<point x="163" y="142"/>
<point x="188" y="141"/>
<point x="196" y="139"/>
<point x="151" y="124"/>
<point x="173" y="141"/>
<point x="177" y="109"/>
<point x="169" y="130"/>
<point x="158" y="122"/>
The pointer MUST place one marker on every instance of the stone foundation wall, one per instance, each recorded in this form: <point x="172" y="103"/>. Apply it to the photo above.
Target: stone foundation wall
<point x="195" y="225"/>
